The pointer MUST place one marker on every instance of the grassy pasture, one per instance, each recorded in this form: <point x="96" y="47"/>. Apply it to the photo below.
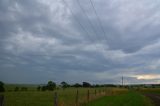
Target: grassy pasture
<point x="128" y="99"/>
<point x="11" y="87"/>
<point x="150" y="90"/>
<point x="65" y="97"/>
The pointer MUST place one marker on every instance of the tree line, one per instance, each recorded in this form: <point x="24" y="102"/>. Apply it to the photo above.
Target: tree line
<point x="52" y="85"/>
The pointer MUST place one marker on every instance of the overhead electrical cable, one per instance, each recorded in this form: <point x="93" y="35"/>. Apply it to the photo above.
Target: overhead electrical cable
<point x="89" y="21"/>
<point x="98" y="18"/>
<point x="82" y="27"/>
<point x="87" y="18"/>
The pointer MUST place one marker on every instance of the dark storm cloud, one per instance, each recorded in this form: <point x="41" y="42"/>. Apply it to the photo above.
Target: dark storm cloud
<point x="43" y="40"/>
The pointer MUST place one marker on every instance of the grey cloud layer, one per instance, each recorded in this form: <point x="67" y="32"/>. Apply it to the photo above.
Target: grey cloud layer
<point x="42" y="40"/>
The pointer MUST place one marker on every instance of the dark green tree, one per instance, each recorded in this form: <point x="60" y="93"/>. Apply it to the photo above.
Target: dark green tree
<point x="51" y="85"/>
<point x="16" y="89"/>
<point x="24" y="89"/>
<point x="38" y="88"/>
<point x="2" y="86"/>
<point x="64" y="85"/>
<point x="86" y="84"/>
<point x="77" y="85"/>
<point x="43" y="88"/>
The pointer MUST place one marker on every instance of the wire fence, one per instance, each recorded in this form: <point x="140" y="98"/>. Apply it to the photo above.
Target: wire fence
<point x="90" y="95"/>
<point x="79" y="97"/>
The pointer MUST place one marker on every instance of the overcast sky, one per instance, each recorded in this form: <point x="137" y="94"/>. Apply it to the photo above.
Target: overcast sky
<point x="98" y="41"/>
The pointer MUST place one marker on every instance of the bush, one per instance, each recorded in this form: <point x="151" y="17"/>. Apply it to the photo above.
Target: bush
<point x="38" y="88"/>
<point x="77" y="85"/>
<point x="24" y="89"/>
<point x="16" y="89"/>
<point x="2" y="87"/>
<point x="43" y="88"/>
<point x="51" y="85"/>
<point x="64" y="85"/>
<point x="86" y="84"/>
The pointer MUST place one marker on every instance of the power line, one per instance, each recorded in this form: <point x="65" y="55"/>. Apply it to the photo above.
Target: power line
<point x="81" y="7"/>
<point x="82" y="27"/>
<point x="89" y="18"/>
<point x="98" y="18"/>
<point x="79" y="21"/>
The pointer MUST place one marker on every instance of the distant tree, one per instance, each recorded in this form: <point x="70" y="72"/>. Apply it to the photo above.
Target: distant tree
<point x="64" y="85"/>
<point x="16" y="89"/>
<point x="38" y="88"/>
<point x="51" y="85"/>
<point x="24" y="89"/>
<point x="2" y="86"/>
<point x="43" y="88"/>
<point x="77" y="85"/>
<point x="97" y="85"/>
<point x="109" y="85"/>
<point x="153" y="86"/>
<point x="86" y="84"/>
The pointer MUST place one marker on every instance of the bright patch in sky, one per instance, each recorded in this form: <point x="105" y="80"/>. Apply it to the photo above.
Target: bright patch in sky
<point x="148" y="77"/>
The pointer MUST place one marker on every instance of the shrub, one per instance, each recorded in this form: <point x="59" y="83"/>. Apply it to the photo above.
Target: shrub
<point x="24" y="89"/>
<point x="86" y="84"/>
<point x="77" y="85"/>
<point x="38" y="88"/>
<point x="16" y="89"/>
<point x="64" y="85"/>
<point x="2" y="87"/>
<point x="51" y="85"/>
<point x="43" y="88"/>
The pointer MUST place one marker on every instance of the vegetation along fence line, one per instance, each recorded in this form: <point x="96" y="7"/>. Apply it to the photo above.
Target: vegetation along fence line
<point x="79" y="100"/>
<point x="89" y="96"/>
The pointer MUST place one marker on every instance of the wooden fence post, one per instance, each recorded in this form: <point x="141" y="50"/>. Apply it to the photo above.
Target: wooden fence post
<point x="55" y="99"/>
<point x="77" y="97"/>
<point x="1" y="100"/>
<point x="88" y="96"/>
<point x="99" y="92"/>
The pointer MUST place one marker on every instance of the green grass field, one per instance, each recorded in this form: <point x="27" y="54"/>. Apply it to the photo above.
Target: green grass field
<point x="66" y="97"/>
<point x="150" y="90"/>
<point x="129" y="99"/>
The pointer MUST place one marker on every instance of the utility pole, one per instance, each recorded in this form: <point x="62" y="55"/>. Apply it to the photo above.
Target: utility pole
<point x="122" y="81"/>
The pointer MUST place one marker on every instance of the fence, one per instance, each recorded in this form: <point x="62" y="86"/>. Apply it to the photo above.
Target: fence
<point x="78" y="102"/>
<point x="79" y="97"/>
<point x="89" y="96"/>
